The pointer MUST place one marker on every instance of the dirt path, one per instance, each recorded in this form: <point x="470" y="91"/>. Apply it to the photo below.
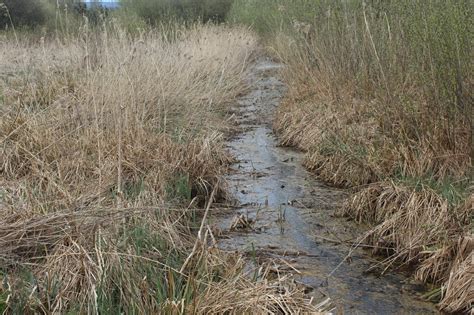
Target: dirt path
<point x="286" y="215"/>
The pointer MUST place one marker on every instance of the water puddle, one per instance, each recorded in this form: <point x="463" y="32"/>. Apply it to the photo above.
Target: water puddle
<point x="286" y="214"/>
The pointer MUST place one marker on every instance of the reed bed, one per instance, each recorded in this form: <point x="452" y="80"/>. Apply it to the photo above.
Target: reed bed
<point x="380" y="99"/>
<point x="111" y="146"/>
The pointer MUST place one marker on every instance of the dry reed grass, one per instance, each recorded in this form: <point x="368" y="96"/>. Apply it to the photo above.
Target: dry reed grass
<point x="366" y="122"/>
<point x="424" y="217"/>
<point x="346" y="148"/>
<point x="278" y="295"/>
<point x="105" y="140"/>
<point x="303" y="125"/>
<point x="459" y="287"/>
<point x="112" y="93"/>
<point x="436" y="238"/>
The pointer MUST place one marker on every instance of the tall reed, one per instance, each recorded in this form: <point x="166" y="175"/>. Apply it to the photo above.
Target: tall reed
<point x="380" y="98"/>
<point x="111" y="144"/>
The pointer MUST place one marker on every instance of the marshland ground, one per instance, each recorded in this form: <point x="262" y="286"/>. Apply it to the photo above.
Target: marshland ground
<point x="113" y="153"/>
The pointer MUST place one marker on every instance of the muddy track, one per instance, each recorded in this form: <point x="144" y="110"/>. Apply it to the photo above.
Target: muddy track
<point x="285" y="214"/>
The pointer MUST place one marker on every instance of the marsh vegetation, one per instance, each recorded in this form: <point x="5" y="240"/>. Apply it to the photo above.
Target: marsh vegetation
<point x="113" y="136"/>
<point x="380" y="99"/>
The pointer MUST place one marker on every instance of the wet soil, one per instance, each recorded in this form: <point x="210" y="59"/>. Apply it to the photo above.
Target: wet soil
<point x="285" y="214"/>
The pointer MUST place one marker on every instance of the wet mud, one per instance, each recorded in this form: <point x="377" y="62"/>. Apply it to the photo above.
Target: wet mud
<point x="284" y="214"/>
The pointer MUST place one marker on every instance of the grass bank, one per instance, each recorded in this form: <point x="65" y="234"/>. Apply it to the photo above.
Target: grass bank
<point x="111" y="153"/>
<point x="380" y="98"/>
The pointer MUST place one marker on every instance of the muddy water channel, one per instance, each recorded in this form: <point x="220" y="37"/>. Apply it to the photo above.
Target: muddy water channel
<point x="285" y="214"/>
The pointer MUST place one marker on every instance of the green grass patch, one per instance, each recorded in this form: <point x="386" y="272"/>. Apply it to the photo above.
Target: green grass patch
<point x="454" y="191"/>
<point x="139" y="276"/>
<point x="334" y="145"/>
<point x="3" y="293"/>
<point x="133" y="189"/>
<point x="179" y="188"/>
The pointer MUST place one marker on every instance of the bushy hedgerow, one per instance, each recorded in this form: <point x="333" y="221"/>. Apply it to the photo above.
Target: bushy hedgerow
<point x="23" y="13"/>
<point x="156" y="11"/>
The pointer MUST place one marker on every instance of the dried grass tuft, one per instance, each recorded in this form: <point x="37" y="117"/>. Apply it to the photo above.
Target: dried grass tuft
<point x="265" y="296"/>
<point x="459" y="288"/>
<point x="432" y="238"/>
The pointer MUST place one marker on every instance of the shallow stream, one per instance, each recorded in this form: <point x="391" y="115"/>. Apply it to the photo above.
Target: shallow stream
<point x="284" y="213"/>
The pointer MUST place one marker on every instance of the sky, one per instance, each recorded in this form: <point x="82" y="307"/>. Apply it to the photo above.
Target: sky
<point x="101" y="0"/>
<point x="105" y="3"/>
